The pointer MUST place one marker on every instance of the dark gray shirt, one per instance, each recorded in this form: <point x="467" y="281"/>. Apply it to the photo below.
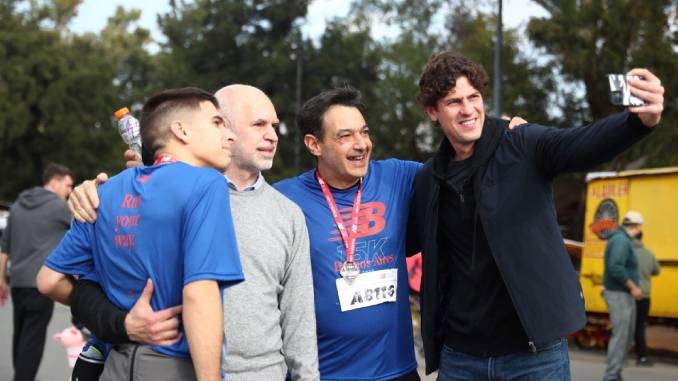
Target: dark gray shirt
<point x="37" y="222"/>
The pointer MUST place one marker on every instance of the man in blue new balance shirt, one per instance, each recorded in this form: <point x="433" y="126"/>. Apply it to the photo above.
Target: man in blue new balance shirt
<point x="364" y="325"/>
<point x="169" y="222"/>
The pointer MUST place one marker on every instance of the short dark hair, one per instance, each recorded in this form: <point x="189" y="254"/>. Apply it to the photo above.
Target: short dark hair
<point x="310" y="118"/>
<point x="441" y="73"/>
<point x="154" y="130"/>
<point x="55" y="170"/>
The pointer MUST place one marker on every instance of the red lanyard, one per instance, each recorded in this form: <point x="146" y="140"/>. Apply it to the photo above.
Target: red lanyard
<point x="348" y="240"/>
<point x="164" y="159"/>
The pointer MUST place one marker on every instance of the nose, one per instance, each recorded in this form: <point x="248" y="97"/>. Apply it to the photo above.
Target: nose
<point x="360" y="142"/>
<point x="467" y="107"/>
<point x="270" y="134"/>
<point x="228" y="135"/>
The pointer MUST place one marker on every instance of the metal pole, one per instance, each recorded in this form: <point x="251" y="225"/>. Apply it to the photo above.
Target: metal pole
<point x="496" y="99"/>
<point x="297" y="136"/>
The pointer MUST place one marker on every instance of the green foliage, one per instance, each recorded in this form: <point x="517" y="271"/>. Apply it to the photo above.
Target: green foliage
<point x="58" y="89"/>
<point x="57" y="95"/>
<point x="589" y="39"/>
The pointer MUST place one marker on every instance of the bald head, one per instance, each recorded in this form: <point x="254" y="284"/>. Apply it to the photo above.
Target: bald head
<point x="233" y="98"/>
<point x="252" y="116"/>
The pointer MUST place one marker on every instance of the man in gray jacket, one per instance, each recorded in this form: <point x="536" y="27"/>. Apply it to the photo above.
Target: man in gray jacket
<point x="620" y="279"/>
<point x="647" y="268"/>
<point x="38" y="221"/>
<point x="269" y="320"/>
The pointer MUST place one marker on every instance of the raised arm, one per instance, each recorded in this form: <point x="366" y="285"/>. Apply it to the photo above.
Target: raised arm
<point x="576" y="149"/>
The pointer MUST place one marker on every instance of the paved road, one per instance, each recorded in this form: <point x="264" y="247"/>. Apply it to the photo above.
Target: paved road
<point x="586" y="366"/>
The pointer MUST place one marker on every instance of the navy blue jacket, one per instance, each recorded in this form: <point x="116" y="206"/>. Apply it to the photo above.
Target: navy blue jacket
<point x="518" y="215"/>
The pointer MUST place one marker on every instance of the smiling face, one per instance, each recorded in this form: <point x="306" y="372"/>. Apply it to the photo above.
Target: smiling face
<point x="460" y="114"/>
<point x="344" y="151"/>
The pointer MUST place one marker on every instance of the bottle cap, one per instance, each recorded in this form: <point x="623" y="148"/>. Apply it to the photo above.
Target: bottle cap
<point x="120" y="113"/>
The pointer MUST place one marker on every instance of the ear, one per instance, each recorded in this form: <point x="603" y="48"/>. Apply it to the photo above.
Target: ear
<point x="432" y="113"/>
<point x="178" y="130"/>
<point x="312" y="144"/>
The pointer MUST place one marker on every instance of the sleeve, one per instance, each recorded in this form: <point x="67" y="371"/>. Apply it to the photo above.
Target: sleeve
<point x="616" y="260"/>
<point x="409" y="172"/>
<point x="559" y="150"/>
<point x="209" y="243"/>
<point x="73" y="255"/>
<point x="91" y="307"/>
<point x="65" y="215"/>
<point x="655" y="265"/>
<point x="297" y="308"/>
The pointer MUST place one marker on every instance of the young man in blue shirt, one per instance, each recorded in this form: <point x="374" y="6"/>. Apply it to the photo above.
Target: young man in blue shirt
<point x="169" y="222"/>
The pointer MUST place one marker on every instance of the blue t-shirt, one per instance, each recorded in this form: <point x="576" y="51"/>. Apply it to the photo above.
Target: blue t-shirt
<point x="171" y="223"/>
<point x="371" y="343"/>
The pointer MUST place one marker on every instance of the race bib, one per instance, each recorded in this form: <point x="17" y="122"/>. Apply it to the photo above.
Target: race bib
<point x="368" y="289"/>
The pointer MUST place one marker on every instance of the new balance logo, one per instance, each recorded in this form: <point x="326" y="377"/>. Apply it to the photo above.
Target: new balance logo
<point x="370" y="220"/>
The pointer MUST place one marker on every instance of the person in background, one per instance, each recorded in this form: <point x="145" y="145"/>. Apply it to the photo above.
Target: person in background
<point x="620" y="279"/>
<point x="647" y="268"/>
<point x="38" y="221"/>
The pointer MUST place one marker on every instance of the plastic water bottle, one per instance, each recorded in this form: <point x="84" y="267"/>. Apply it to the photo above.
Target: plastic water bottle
<point x="128" y="127"/>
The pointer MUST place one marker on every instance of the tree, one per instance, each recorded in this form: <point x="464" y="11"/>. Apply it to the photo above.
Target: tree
<point x="57" y="95"/>
<point x="589" y="39"/>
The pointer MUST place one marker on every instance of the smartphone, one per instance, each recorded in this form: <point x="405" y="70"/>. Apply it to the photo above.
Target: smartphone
<point x="620" y="94"/>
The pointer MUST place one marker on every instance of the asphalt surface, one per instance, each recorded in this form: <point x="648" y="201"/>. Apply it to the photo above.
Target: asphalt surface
<point x="585" y="365"/>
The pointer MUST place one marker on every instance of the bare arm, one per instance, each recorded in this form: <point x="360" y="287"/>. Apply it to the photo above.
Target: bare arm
<point x="4" y="288"/>
<point x="55" y="285"/>
<point x="204" y="326"/>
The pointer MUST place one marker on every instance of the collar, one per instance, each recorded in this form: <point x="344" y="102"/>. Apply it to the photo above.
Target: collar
<point x="493" y="129"/>
<point x="258" y="183"/>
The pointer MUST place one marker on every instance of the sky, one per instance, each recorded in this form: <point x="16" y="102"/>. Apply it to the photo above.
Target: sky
<point x="92" y="15"/>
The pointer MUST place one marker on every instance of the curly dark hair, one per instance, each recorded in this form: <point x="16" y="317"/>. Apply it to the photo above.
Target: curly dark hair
<point x="441" y="73"/>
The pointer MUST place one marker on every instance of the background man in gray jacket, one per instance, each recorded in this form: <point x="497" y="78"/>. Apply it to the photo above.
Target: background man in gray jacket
<point x="647" y="268"/>
<point x="620" y="279"/>
<point x="38" y="220"/>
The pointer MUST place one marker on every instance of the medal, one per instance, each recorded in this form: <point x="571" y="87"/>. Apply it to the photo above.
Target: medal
<point x="349" y="270"/>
